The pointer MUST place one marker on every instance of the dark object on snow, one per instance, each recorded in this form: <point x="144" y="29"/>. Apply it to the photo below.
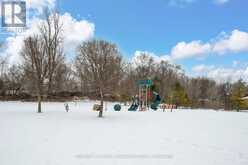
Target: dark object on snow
<point x="66" y="107"/>
<point x="117" y="107"/>
<point x="156" y="101"/>
<point x="135" y="103"/>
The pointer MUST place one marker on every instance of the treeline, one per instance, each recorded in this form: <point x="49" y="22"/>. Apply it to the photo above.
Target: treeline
<point x="99" y="71"/>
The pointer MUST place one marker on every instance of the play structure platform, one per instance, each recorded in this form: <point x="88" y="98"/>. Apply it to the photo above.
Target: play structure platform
<point x="143" y="101"/>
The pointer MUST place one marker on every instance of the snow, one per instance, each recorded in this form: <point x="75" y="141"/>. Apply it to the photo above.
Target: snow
<point x="183" y="137"/>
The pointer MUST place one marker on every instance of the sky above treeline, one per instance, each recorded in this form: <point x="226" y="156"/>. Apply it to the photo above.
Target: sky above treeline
<point x="206" y="37"/>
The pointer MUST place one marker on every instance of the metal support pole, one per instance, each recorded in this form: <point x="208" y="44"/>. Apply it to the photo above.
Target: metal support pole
<point x="146" y="97"/>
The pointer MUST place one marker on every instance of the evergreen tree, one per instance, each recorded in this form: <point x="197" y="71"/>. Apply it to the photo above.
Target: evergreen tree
<point x="238" y="92"/>
<point x="156" y="84"/>
<point x="178" y="96"/>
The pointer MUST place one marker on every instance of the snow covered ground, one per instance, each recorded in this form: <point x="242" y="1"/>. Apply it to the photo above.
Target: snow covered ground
<point x="183" y="137"/>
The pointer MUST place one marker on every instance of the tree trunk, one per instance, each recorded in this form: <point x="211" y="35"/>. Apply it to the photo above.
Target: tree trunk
<point x="101" y="110"/>
<point x="39" y="103"/>
<point x="39" y="93"/>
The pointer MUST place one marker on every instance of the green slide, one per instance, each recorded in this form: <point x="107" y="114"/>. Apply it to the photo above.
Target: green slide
<point x="156" y="101"/>
<point x="133" y="107"/>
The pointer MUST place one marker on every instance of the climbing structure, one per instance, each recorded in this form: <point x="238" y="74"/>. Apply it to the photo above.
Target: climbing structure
<point x="143" y="100"/>
<point x="144" y="94"/>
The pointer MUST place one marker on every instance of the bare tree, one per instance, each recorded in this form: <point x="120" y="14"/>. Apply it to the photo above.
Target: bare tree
<point x="35" y="63"/>
<point x="51" y="34"/>
<point x="3" y="71"/>
<point x="65" y="79"/>
<point x="3" y="66"/>
<point x="15" y="79"/>
<point x="144" y="66"/>
<point x="100" y="64"/>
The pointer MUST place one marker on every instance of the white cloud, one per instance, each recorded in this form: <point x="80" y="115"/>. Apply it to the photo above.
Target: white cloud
<point x="186" y="50"/>
<point x="235" y="42"/>
<point x="39" y="5"/>
<point x="14" y="43"/>
<point x="202" y="68"/>
<point x="74" y="32"/>
<point x="228" y="74"/>
<point x="221" y="74"/>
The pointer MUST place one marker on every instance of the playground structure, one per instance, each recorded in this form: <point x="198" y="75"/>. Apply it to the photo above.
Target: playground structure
<point x="143" y="101"/>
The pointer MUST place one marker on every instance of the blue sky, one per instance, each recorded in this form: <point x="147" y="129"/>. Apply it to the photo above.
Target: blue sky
<point x="157" y="26"/>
